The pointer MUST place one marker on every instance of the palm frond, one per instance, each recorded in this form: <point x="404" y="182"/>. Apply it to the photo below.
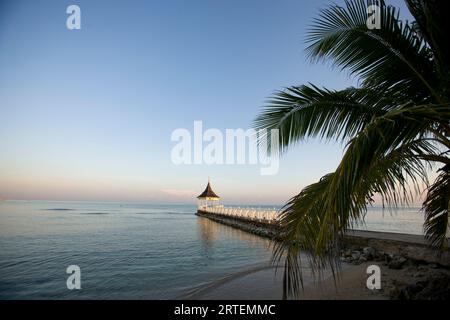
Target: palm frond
<point x="309" y="111"/>
<point x="437" y="210"/>
<point x="431" y="21"/>
<point x="316" y="219"/>
<point x="381" y="159"/>
<point x="391" y="58"/>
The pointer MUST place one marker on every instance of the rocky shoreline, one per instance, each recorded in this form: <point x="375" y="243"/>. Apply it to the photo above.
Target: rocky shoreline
<point x="420" y="280"/>
<point x="270" y="231"/>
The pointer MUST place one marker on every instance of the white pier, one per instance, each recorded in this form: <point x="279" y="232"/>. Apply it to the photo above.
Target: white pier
<point x="254" y="214"/>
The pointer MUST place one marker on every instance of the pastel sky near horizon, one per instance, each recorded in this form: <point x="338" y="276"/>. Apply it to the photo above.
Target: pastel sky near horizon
<point x="88" y="114"/>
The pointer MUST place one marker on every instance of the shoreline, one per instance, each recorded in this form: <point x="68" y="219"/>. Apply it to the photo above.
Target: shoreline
<point x="410" y="269"/>
<point x="263" y="284"/>
<point x="197" y="292"/>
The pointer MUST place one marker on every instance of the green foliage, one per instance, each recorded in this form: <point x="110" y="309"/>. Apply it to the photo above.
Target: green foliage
<point x="395" y="125"/>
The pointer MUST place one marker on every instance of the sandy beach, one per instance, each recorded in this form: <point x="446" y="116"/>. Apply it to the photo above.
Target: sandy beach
<point x="266" y="284"/>
<point x="262" y="284"/>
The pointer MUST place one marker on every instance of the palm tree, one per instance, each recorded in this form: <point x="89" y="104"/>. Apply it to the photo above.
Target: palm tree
<point x="395" y="126"/>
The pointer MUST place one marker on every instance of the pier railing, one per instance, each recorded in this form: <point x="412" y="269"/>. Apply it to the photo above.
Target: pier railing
<point x="260" y="215"/>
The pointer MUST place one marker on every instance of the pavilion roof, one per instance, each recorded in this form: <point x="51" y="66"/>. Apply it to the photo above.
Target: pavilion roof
<point x="208" y="193"/>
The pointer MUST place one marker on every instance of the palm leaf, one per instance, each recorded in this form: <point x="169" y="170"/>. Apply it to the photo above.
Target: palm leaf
<point x="391" y="58"/>
<point x="309" y="111"/>
<point x="316" y="219"/>
<point x="432" y="21"/>
<point x="382" y="159"/>
<point x="437" y="209"/>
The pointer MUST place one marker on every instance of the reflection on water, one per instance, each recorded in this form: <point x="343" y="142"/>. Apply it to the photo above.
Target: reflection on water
<point x="210" y="231"/>
<point x="207" y="231"/>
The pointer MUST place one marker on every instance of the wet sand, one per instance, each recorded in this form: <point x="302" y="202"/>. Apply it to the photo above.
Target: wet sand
<point x="262" y="284"/>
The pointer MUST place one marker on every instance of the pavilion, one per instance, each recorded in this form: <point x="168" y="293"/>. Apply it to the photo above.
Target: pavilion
<point x="208" y="198"/>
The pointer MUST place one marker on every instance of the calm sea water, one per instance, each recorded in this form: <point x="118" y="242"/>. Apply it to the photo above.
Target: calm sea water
<point x="130" y="251"/>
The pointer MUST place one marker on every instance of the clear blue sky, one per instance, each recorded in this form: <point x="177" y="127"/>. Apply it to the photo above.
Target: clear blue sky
<point x="87" y="114"/>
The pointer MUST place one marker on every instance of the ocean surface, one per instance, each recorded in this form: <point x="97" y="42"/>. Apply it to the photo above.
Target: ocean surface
<point x="132" y="251"/>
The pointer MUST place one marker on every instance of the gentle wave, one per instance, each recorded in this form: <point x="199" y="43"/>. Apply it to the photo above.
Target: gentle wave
<point x="94" y="212"/>
<point x="197" y="291"/>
